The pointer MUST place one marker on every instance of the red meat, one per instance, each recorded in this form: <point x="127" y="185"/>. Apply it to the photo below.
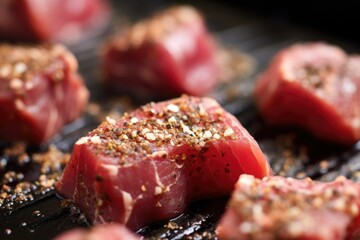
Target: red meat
<point x="314" y="86"/>
<point x="151" y="163"/>
<point x="40" y="91"/>
<point x="102" y="232"/>
<point x="169" y="54"/>
<point x="278" y="208"/>
<point x="55" y="20"/>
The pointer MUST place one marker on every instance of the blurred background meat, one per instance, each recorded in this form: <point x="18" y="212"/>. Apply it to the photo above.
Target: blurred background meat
<point x="164" y="56"/>
<point x="55" y="20"/>
<point x="40" y="91"/>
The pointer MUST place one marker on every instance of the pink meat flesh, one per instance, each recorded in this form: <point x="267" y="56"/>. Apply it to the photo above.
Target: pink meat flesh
<point x="102" y="232"/>
<point x="55" y="20"/>
<point x="40" y="91"/>
<point x="277" y="208"/>
<point x="169" y="54"/>
<point x="315" y="86"/>
<point x="151" y="163"/>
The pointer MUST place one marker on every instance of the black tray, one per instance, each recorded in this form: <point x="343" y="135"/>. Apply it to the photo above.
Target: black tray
<point x="291" y="152"/>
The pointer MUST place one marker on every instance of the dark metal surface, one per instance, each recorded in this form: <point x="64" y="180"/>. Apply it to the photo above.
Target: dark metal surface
<point x="291" y="152"/>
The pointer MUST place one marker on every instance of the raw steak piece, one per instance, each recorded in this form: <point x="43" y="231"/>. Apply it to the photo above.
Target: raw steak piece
<point x="166" y="55"/>
<point x="286" y="208"/>
<point x="102" y="232"/>
<point x="40" y="91"/>
<point x="315" y="86"/>
<point x="55" y="20"/>
<point x="151" y="163"/>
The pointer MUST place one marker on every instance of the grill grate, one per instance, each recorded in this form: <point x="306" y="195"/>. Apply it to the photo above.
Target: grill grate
<point x="291" y="152"/>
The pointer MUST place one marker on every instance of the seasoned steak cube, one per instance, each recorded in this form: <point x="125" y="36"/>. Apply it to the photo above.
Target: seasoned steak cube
<point x="40" y="91"/>
<point x="166" y="55"/>
<point x="278" y="208"/>
<point x="148" y="165"/>
<point x="314" y="86"/>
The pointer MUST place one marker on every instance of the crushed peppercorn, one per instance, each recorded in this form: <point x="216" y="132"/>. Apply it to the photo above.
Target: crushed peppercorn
<point x="19" y="63"/>
<point x="147" y="130"/>
<point x="16" y="189"/>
